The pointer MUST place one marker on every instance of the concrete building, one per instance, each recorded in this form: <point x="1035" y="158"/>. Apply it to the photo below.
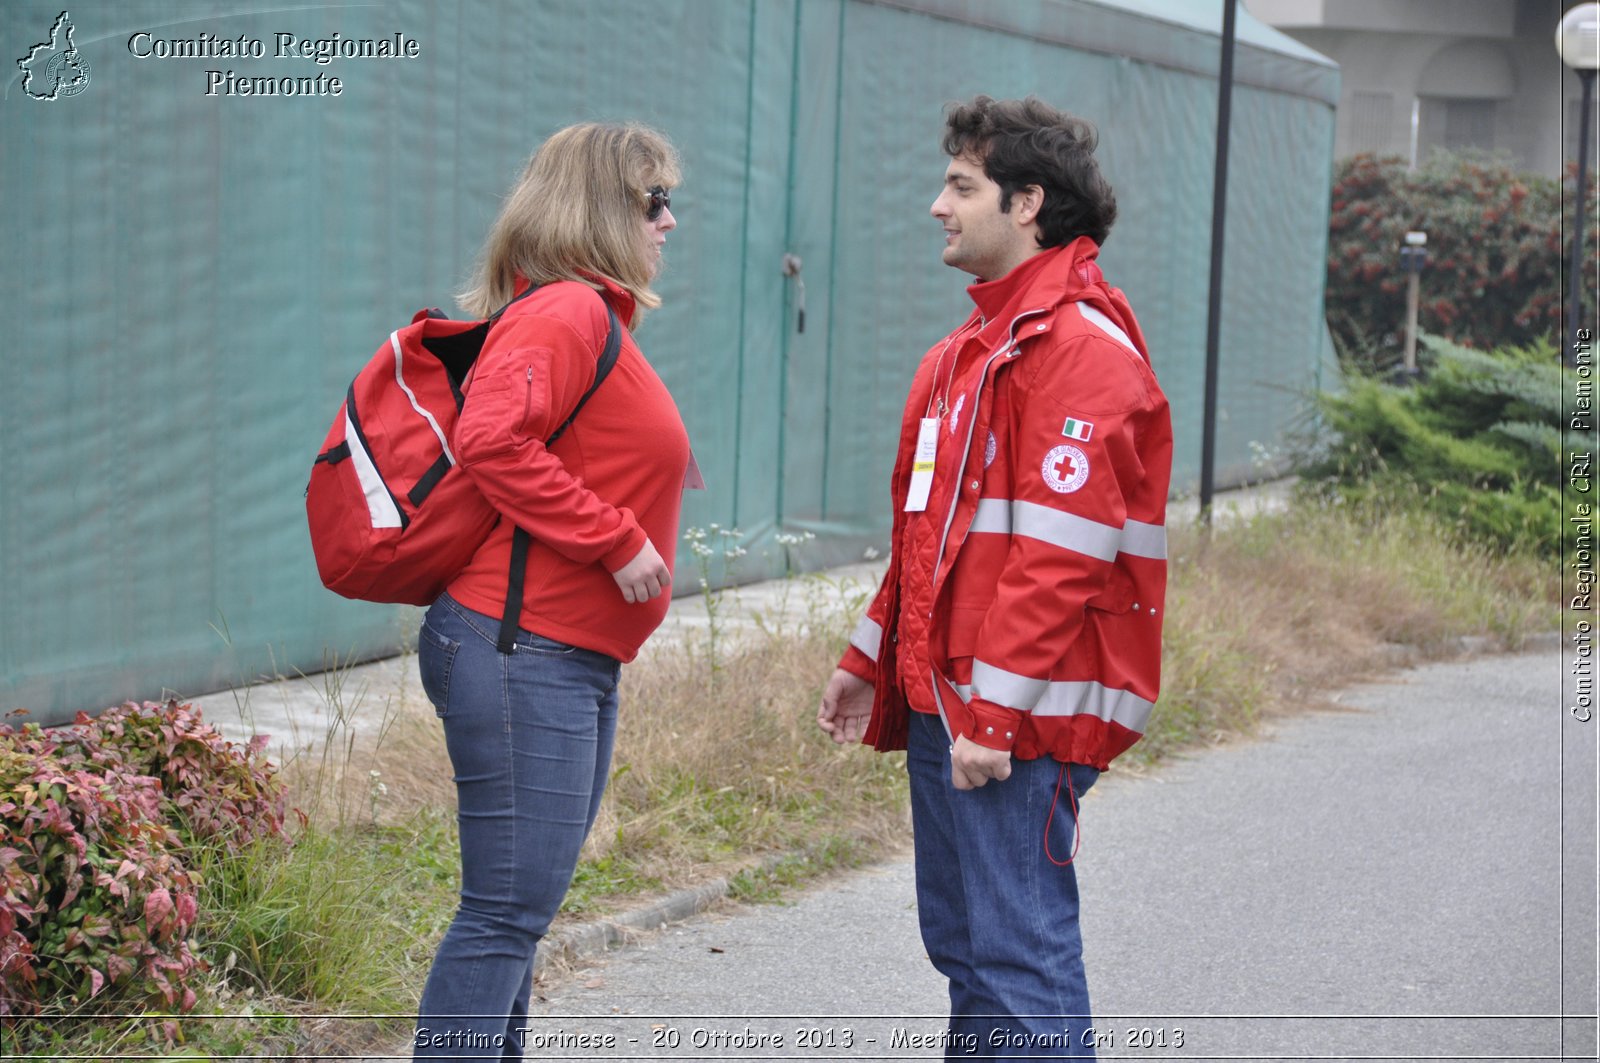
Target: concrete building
<point x="1419" y="74"/>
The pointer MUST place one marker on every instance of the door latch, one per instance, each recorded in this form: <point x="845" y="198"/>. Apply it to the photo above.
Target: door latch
<point x="791" y="268"/>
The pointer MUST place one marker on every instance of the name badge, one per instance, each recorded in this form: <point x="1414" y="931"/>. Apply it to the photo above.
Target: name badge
<point x="922" y="465"/>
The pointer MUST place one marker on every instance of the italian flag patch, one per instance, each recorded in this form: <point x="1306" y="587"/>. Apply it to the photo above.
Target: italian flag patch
<point x="1079" y="430"/>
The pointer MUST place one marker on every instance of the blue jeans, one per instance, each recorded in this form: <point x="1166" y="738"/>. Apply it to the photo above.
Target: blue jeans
<point x="529" y="736"/>
<point x="998" y="918"/>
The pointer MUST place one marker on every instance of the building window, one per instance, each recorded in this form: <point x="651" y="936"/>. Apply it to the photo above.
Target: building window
<point x="1469" y="123"/>
<point x="1453" y="124"/>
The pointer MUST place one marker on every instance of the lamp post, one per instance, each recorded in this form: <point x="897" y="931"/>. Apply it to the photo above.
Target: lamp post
<point x="1413" y="257"/>
<point x="1578" y="41"/>
<point x="1219" y="203"/>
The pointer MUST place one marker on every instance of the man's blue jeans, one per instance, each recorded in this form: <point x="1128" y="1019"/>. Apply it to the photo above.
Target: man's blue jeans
<point x="529" y="736"/>
<point x="999" y="918"/>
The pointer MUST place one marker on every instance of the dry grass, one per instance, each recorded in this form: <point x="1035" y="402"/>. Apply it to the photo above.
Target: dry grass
<point x="714" y="769"/>
<point x="718" y="761"/>
<point x="380" y="760"/>
<point x="1269" y="615"/>
<point x="719" y="764"/>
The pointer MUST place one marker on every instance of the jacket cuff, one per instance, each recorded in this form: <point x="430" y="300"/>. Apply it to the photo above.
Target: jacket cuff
<point x="618" y="556"/>
<point x="859" y="665"/>
<point x="994" y="726"/>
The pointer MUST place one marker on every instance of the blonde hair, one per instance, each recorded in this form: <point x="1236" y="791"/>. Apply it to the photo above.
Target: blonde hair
<point x="577" y="207"/>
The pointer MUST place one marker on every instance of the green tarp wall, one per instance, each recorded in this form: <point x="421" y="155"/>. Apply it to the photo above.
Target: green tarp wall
<point x="193" y="278"/>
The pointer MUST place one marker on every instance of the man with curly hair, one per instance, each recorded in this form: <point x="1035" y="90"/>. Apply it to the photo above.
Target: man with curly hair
<point x="1014" y="646"/>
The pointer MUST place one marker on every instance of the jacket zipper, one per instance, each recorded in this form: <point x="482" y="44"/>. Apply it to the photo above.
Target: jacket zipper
<point x="1010" y="342"/>
<point x="527" y="401"/>
<point x="936" y="402"/>
<point x="950" y="515"/>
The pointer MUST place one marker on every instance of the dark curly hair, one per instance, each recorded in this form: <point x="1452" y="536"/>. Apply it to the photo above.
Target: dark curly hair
<point x="1028" y="142"/>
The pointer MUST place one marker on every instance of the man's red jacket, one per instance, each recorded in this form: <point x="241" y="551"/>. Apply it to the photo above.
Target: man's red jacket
<point x="1025" y="602"/>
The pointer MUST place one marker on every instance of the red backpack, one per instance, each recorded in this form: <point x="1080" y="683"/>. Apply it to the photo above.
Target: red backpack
<point x="393" y="519"/>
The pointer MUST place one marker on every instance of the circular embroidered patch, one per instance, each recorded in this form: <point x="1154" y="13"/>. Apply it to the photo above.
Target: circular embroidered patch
<point x="989" y="448"/>
<point x="1065" y="468"/>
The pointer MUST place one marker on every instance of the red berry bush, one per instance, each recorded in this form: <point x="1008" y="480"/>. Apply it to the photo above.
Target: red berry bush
<point x="1497" y="248"/>
<point x="98" y="825"/>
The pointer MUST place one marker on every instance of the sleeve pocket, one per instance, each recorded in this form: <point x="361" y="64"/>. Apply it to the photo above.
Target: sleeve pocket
<point x="1117" y="596"/>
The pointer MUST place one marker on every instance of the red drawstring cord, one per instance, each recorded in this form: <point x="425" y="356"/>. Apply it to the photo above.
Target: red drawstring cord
<point x="1077" y="834"/>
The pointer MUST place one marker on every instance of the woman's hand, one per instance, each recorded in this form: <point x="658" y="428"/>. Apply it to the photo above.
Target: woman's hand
<point x="644" y="577"/>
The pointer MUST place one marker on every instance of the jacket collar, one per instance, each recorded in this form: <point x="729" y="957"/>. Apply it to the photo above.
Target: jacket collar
<point x="621" y="300"/>
<point x="1052" y="276"/>
<point x="1060" y="275"/>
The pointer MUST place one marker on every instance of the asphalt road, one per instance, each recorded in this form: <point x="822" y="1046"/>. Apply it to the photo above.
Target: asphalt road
<point x="1400" y="879"/>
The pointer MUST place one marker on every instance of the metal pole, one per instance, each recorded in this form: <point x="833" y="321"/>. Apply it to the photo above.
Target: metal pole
<point x="1416" y="130"/>
<point x="1219" y="202"/>
<point x="1413" y="297"/>
<point x="1580" y="209"/>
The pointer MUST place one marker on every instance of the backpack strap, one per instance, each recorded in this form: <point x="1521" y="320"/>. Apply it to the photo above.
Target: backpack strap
<point x="492" y="318"/>
<point x="521" y="540"/>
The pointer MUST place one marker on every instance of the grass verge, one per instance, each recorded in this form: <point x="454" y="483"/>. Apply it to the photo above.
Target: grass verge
<point x="1271" y="612"/>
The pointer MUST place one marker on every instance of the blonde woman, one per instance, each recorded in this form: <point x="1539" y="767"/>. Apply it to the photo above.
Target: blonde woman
<point x="529" y="733"/>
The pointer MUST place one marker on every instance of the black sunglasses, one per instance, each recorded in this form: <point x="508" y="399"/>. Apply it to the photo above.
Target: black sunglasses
<point x="660" y="200"/>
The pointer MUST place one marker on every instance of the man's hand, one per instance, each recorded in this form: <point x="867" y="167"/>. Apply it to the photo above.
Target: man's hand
<point x="972" y="765"/>
<point x="846" y="707"/>
<point x="644" y="577"/>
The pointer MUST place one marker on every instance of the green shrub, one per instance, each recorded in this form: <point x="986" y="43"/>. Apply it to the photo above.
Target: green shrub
<point x="1495" y="253"/>
<point x="98" y="888"/>
<point x="1476" y="442"/>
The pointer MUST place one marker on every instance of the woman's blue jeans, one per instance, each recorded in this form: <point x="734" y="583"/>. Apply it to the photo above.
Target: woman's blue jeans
<point x="999" y="917"/>
<point x="529" y="736"/>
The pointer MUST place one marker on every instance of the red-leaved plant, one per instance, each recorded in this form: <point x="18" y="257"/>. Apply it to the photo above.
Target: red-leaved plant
<point x="1497" y="251"/>
<point x="95" y="823"/>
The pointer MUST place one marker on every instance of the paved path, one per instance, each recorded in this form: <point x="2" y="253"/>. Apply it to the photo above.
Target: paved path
<point x="1413" y="856"/>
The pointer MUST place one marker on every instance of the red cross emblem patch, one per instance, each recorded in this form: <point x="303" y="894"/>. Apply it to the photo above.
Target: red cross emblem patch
<point x="1065" y="468"/>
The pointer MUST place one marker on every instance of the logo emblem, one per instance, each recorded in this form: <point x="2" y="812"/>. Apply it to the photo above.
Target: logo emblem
<point x="989" y="448"/>
<point x="1079" y="430"/>
<point x="955" y="414"/>
<point x="1065" y="468"/>
<point x="55" y="68"/>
